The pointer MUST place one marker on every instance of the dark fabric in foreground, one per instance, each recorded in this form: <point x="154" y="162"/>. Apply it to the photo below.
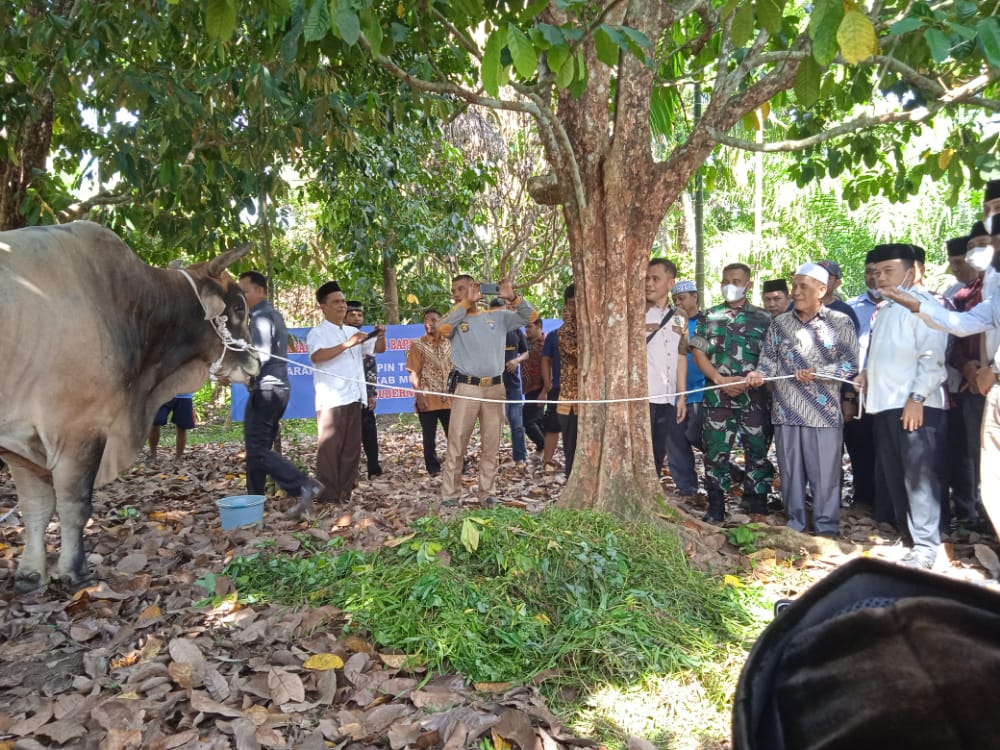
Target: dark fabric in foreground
<point x="918" y="673"/>
<point x="875" y="656"/>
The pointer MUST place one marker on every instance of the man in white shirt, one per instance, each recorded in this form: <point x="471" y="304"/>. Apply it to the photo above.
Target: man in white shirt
<point x="337" y="351"/>
<point x="983" y="317"/>
<point x="666" y="369"/>
<point x="902" y="381"/>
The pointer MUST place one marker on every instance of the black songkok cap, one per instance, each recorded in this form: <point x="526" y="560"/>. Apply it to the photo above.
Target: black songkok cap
<point x="327" y="288"/>
<point x="919" y="254"/>
<point x="992" y="190"/>
<point x="498" y="302"/>
<point x="775" y="285"/>
<point x="957" y="246"/>
<point x="353" y="304"/>
<point x="892" y="251"/>
<point x="978" y="230"/>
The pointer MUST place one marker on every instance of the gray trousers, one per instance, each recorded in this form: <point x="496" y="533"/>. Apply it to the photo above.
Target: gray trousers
<point x="813" y="455"/>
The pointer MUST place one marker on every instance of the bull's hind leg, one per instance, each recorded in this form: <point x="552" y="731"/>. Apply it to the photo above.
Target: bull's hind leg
<point x="38" y="501"/>
<point x="74" y="485"/>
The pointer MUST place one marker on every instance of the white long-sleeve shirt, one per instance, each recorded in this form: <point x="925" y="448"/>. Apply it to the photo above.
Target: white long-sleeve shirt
<point x="905" y="357"/>
<point x="340" y="380"/>
<point x="983" y="317"/>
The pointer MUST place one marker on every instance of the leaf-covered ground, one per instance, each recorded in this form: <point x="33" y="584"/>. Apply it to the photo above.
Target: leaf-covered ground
<point x="135" y="662"/>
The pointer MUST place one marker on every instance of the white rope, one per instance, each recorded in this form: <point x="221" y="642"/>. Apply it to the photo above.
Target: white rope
<point x="219" y="325"/>
<point x="538" y="401"/>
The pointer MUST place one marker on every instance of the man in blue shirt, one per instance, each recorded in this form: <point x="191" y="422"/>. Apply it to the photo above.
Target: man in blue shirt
<point x="550" y="390"/>
<point x="685" y="298"/>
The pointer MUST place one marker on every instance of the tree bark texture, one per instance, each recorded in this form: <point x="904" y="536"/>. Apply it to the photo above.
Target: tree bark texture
<point x="627" y="194"/>
<point x="390" y="288"/>
<point x="32" y="142"/>
<point x="610" y="238"/>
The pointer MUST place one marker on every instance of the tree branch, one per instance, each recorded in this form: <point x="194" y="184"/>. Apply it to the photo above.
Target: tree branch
<point x="551" y="129"/>
<point x="964" y="94"/>
<point x="471" y="47"/>
<point x="103" y="198"/>
<point x="938" y="90"/>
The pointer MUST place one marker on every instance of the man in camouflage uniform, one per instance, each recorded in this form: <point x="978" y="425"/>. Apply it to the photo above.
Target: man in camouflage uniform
<point x="726" y="344"/>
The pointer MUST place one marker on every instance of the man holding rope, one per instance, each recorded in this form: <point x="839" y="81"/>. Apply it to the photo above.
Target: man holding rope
<point x="269" y="394"/>
<point x="337" y="351"/>
<point x="815" y="345"/>
<point x="726" y="345"/>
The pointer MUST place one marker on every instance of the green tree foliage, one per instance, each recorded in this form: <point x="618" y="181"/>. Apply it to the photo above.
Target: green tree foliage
<point x="597" y="76"/>
<point x="396" y="211"/>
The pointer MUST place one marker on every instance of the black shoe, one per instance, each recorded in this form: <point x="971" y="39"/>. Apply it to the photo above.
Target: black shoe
<point x="756" y="504"/>
<point x="311" y="489"/>
<point x="715" y="518"/>
<point x="376" y="472"/>
<point x="716" y="507"/>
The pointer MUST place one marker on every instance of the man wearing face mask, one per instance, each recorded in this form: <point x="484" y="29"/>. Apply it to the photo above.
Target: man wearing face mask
<point x="859" y="432"/>
<point x="726" y="344"/>
<point x="902" y="386"/>
<point x="980" y="255"/>
<point x="991" y="207"/>
<point x="965" y="414"/>
<point x="983" y="317"/>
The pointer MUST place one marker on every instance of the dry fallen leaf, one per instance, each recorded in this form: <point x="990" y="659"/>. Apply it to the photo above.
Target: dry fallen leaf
<point x="285" y="687"/>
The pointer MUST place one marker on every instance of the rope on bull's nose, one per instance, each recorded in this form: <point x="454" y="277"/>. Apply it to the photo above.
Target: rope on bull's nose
<point x="219" y="326"/>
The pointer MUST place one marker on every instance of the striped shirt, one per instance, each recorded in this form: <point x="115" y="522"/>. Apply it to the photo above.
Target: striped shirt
<point x="827" y="342"/>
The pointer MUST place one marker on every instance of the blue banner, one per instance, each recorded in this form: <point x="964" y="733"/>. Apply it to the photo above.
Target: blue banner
<point x="393" y="379"/>
<point x="392" y="375"/>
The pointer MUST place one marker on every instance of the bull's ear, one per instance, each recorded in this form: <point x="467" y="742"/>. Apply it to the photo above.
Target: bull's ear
<point x="214" y="304"/>
<point x="217" y="265"/>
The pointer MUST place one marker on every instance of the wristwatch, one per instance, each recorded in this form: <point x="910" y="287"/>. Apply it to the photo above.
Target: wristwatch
<point x="917" y="398"/>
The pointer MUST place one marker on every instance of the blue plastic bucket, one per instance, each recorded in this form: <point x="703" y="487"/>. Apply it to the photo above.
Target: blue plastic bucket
<point x="240" y="510"/>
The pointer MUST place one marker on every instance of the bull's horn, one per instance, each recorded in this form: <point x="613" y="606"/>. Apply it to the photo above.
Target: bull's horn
<point x="217" y="265"/>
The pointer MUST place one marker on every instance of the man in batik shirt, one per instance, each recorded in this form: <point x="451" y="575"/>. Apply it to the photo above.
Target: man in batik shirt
<point x="817" y="346"/>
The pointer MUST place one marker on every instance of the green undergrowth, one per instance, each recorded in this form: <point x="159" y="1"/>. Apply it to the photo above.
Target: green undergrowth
<point x="501" y="596"/>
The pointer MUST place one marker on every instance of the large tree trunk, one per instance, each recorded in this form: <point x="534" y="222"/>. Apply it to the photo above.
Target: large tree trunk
<point x="390" y="287"/>
<point x="612" y="219"/>
<point x="613" y="467"/>
<point x="32" y="141"/>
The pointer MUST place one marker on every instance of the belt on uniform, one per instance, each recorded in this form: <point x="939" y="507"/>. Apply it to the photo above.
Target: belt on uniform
<point x="476" y="380"/>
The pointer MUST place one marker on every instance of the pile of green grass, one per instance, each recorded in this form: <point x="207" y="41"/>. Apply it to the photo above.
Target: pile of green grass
<point x="501" y="596"/>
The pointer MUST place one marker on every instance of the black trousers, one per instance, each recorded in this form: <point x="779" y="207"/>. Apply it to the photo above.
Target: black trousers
<point x="369" y="440"/>
<point x="568" y="423"/>
<point x="429" y="421"/>
<point x="964" y="424"/>
<point x="912" y="471"/>
<point x="859" y="439"/>
<point x="260" y="428"/>
<point x="534" y="414"/>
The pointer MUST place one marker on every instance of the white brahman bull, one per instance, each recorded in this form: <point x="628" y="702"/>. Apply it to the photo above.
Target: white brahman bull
<point x="92" y="341"/>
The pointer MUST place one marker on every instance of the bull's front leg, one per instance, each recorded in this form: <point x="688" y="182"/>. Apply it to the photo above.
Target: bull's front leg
<point x="38" y="501"/>
<point x="74" y="488"/>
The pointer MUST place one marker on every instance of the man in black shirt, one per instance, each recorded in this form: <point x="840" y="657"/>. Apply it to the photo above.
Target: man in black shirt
<point x="269" y="393"/>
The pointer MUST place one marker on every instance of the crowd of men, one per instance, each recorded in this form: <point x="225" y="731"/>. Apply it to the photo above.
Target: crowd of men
<point x="900" y="376"/>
